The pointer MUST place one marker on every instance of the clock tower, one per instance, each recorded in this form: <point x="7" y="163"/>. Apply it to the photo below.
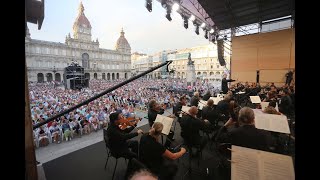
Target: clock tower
<point x="82" y="26"/>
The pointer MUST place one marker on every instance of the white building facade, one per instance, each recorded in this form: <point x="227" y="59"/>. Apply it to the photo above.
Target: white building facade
<point x="205" y="59"/>
<point x="46" y="60"/>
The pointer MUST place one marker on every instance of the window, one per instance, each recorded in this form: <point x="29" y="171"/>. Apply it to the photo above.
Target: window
<point x="218" y="66"/>
<point x="211" y="65"/>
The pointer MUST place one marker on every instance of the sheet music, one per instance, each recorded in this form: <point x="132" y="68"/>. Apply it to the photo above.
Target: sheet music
<point x="216" y="100"/>
<point x="166" y="121"/>
<point x="271" y="122"/>
<point x="264" y="105"/>
<point x="185" y="109"/>
<point x="202" y="104"/>
<point x="255" y="99"/>
<point x="260" y="165"/>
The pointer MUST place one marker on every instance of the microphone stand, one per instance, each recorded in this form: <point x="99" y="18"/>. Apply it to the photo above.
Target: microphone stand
<point x="167" y="63"/>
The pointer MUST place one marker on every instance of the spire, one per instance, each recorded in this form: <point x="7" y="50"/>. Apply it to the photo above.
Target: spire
<point x="122" y="33"/>
<point x="81" y="8"/>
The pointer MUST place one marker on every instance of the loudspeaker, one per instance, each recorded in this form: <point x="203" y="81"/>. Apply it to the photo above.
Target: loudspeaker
<point x="221" y="52"/>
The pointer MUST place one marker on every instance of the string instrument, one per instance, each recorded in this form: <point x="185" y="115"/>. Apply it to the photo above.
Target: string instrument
<point x="125" y="122"/>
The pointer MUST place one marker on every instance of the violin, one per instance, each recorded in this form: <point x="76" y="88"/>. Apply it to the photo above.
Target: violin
<point x="125" y="122"/>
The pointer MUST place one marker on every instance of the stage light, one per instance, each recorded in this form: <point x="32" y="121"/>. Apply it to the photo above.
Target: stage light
<point x="185" y="23"/>
<point x="168" y="16"/>
<point x="197" y="29"/>
<point x="164" y="3"/>
<point x="211" y="31"/>
<point x="213" y="39"/>
<point x="149" y="5"/>
<point x="175" y="7"/>
<point x="206" y="34"/>
<point x="192" y="18"/>
<point x="203" y="25"/>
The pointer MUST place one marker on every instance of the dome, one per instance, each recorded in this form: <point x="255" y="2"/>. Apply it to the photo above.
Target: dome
<point x="122" y="42"/>
<point x="82" y="20"/>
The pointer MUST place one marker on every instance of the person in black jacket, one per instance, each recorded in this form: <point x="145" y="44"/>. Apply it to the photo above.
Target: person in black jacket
<point x="153" y="111"/>
<point x="178" y="107"/>
<point x="119" y="139"/>
<point x="206" y="96"/>
<point x="191" y="126"/>
<point x="224" y="84"/>
<point x="247" y="135"/>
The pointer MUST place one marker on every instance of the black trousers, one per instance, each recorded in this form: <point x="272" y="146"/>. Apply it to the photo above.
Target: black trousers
<point x="167" y="171"/>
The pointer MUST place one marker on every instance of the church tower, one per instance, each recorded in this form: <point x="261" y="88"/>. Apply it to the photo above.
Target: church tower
<point x="82" y="26"/>
<point x="122" y="44"/>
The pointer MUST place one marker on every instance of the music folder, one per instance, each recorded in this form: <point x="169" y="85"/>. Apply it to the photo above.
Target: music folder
<point x="202" y="104"/>
<point x="166" y="121"/>
<point x="185" y="109"/>
<point x="255" y="99"/>
<point x="271" y="122"/>
<point x="255" y="164"/>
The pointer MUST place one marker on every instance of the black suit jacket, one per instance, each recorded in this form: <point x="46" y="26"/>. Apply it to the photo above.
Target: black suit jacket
<point x="246" y="136"/>
<point x="210" y="114"/>
<point x="177" y="108"/>
<point x="190" y="129"/>
<point x="118" y="138"/>
<point x="224" y="85"/>
<point x="194" y="101"/>
<point x="152" y="115"/>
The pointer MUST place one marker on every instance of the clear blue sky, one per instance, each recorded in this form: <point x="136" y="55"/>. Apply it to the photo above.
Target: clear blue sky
<point x="146" y="32"/>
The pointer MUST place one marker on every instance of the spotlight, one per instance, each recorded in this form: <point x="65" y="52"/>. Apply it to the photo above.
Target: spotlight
<point x="206" y="34"/>
<point x="213" y="39"/>
<point x="211" y="31"/>
<point x="164" y="3"/>
<point x="175" y="7"/>
<point x="149" y="5"/>
<point x="192" y="18"/>
<point x="185" y="22"/>
<point x="197" y="29"/>
<point x="203" y="25"/>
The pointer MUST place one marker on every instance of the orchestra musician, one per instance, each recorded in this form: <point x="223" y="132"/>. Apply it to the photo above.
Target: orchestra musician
<point x="191" y="126"/>
<point x="155" y="156"/>
<point x="153" y="111"/>
<point x="178" y="107"/>
<point x="119" y="139"/>
<point x="270" y="109"/>
<point x="209" y="113"/>
<point x="195" y="99"/>
<point x="247" y="135"/>
<point x="206" y="96"/>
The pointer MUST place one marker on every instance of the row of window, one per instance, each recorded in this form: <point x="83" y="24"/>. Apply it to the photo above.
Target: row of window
<point x="63" y="65"/>
<point x="64" y="52"/>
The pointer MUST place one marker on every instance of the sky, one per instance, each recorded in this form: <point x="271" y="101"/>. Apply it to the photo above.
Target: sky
<point x="147" y="32"/>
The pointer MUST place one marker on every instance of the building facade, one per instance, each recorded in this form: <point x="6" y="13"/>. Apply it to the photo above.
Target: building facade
<point x="46" y="60"/>
<point x="205" y="59"/>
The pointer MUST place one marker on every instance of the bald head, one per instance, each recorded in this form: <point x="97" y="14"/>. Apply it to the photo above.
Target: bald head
<point x="196" y="94"/>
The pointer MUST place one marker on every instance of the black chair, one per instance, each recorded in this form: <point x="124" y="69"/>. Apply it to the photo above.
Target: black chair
<point x="189" y="148"/>
<point x="110" y="154"/>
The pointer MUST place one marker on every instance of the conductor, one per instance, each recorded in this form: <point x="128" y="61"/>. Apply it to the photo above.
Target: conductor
<point x="224" y="84"/>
